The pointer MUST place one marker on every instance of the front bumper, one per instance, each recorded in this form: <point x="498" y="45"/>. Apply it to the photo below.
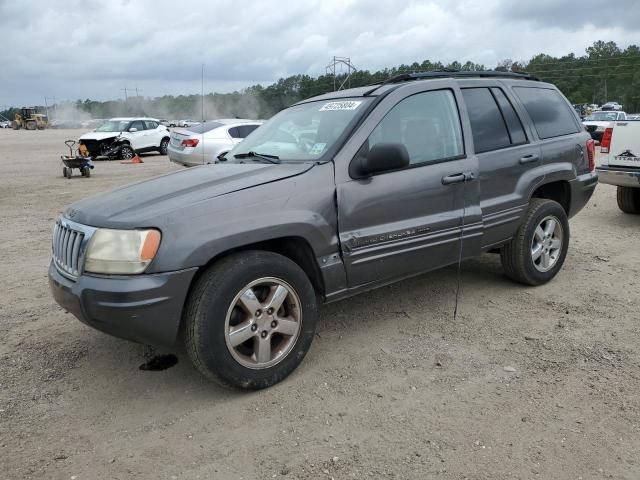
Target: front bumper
<point x="143" y="308"/>
<point x="581" y="190"/>
<point x="619" y="176"/>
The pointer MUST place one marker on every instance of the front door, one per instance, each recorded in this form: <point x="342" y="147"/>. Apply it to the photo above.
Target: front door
<point x="137" y="138"/>
<point x="400" y="223"/>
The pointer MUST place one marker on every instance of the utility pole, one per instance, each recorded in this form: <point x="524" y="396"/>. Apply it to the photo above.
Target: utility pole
<point x="126" y="99"/>
<point x="202" y="96"/>
<point x="341" y="62"/>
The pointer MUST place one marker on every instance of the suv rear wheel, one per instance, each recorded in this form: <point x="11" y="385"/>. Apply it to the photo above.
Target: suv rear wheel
<point x="537" y="251"/>
<point x="250" y="319"/>
<point x="164" y="145"/>
<point x="629" y="199"/>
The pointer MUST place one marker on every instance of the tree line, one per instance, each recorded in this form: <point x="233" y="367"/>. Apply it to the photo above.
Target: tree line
<point x="604" y="73"/>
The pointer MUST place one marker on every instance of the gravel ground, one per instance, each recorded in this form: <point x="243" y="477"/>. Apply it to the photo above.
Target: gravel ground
<point x="526" y="383"/>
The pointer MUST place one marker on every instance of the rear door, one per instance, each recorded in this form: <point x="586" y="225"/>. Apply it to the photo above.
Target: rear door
<point x="153" y="133"/>
<point x="506" y="158"/>
<point x="400" y="223"/>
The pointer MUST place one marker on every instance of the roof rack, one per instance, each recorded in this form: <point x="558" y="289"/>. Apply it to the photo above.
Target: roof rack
<point x="451" y="73"/>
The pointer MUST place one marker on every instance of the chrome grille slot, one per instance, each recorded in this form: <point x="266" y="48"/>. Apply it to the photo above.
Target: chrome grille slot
<point x="67" y="249"/>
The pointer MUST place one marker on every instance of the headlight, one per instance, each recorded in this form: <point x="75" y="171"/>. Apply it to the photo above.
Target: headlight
<point x="121" y="251"/>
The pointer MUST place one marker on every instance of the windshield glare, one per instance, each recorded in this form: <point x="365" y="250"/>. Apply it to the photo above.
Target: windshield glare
<point x="113" y="126"/>
<point x="303" y="132"/>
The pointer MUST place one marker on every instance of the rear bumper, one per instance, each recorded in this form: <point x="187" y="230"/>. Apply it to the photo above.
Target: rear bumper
<point x="143" y="308"/>
<point x="619" y="177"/>
<point x="189" y="158"/>
<point x="581" y="190"/>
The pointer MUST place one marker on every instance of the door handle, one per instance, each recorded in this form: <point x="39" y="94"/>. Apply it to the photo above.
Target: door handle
<point x="529" y="159"/>
<point x="458" y="178"/>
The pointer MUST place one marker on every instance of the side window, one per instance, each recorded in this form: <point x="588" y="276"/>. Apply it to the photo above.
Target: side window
<point x="235" y="132"/>
<point x="137" y="124"/>
<point x="514" y="125"/>
<point x="551" y="115"/>
<point x="150" y="125"/>
<point x="488" y="127"/>
<point x="245" y="130"/>
<point x="427" y="124"/>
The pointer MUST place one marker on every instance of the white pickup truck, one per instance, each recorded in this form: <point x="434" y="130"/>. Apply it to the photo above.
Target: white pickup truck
<point x="619" y="162"/>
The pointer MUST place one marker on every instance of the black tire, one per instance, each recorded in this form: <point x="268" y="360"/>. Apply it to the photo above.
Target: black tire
<point x="164" y="145"/>
<point x="211" y="299"/>
<point x="126" y="152"/>
<point x="86" y="171"/>
<point x="629" y="199"/>
<point x="65" y="172"/>
<point x="516" y="255"/>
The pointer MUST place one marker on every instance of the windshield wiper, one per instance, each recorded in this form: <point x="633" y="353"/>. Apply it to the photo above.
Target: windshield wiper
<point x="263" y="156"/>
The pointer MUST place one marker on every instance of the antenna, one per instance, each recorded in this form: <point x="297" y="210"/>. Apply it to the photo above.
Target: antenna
<point x="202" y="105"/>
<point x="468" y="176"/>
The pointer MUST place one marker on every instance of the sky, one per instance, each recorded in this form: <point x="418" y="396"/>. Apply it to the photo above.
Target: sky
<point x="71" y="49"/>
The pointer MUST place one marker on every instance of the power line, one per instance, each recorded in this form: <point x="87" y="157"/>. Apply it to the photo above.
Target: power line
<point x="620" y="74"/>
<point x="603" y="67"/>
<point x="577" y="60"/>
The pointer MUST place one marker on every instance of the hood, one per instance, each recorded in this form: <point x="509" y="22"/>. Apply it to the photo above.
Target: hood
<point x="99" y="135"/>
<point x="149" y="203"/>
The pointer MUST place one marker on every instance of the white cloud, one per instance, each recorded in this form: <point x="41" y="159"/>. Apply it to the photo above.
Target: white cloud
<point x="94" y="48"/>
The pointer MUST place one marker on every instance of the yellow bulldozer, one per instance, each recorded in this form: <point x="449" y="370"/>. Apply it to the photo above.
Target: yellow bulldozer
<point x="29" y="119"/>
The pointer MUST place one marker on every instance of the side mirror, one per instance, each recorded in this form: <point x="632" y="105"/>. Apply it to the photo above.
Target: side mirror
<point x="222" y="157"/>
<point x="133" y="129"/>
<point x="383" y="157"/>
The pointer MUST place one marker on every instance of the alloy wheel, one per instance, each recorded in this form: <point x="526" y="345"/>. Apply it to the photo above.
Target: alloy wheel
<point x="263" y="323"/>
<point x="546" y="245"/>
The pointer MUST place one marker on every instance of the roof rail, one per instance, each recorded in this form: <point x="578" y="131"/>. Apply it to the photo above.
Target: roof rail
<point x="450" y="73"/>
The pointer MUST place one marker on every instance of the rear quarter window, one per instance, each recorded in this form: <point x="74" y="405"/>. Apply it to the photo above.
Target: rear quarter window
<point x="550" y="113"/>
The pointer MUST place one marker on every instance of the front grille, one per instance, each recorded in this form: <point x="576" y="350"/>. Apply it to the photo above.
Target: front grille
<point x="67" y="244"/>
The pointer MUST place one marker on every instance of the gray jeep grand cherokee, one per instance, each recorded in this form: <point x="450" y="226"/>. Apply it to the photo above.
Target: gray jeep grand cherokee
<point x="333" y="196"/>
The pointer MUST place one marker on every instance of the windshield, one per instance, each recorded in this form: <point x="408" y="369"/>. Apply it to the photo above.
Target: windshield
<point x="303" y="132"/>
<point x="113" y="126"/>
<point x="602" y="116"/>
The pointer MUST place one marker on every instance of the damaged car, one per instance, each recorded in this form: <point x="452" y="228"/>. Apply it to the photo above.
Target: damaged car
<point x="122" y="138"/>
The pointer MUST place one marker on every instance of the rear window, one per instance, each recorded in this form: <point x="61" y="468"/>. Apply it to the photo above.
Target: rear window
<point x="550" y="113"/>
<point x="245" y="130"/>
<point x="204" y="127"/>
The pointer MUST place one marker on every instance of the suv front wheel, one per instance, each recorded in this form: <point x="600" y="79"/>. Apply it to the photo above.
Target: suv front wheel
<point x="537" y="251"/>
<point x="250" y="319"/>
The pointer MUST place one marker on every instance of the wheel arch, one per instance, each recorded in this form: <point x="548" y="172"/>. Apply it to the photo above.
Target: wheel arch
<point x="295" y="248"/>
<point x="558" y="191"/>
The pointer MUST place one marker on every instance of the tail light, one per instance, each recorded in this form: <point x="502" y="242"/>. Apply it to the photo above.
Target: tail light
<point x="190" y="142"/>
<point x="605" y="143"/>
<point x="591" y="154"/>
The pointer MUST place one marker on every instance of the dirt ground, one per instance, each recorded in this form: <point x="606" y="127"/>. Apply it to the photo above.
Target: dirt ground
<point x="526" y="383"/>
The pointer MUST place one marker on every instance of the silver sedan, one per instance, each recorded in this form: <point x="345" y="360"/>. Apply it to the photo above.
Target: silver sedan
<point x="201" y="144"/>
